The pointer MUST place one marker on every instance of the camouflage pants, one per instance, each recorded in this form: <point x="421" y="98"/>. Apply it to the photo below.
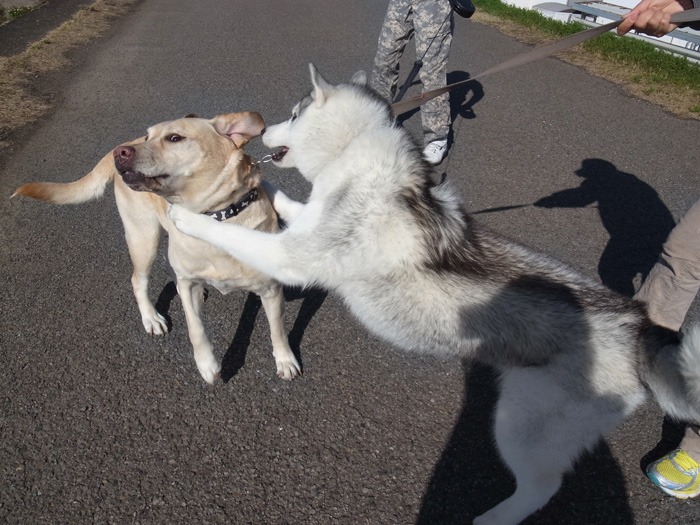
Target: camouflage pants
<point x="423" y="20"/>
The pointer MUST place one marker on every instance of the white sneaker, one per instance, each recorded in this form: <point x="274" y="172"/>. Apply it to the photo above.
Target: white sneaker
<point x="435" y="151"/>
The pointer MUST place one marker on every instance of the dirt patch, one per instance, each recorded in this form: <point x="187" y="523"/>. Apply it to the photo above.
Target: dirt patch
<point x="19" y="104"/>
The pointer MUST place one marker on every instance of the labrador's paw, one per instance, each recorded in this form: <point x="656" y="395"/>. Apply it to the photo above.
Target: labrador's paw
<point x="155" y="324"/>
<point x="210" y="369"/>
<point x="288" y="367"/>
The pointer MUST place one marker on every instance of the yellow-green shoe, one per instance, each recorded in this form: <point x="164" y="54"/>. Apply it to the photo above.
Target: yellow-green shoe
<point x="676" y="474"/>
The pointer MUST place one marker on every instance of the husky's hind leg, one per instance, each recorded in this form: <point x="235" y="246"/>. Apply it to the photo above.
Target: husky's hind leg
<point x="537" y="479"/>
<point x="539" y="439"/>
<point x="534" y="490"/>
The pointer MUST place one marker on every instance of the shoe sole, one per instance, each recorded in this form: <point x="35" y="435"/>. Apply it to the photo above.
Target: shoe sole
<point x="671" y="492"/>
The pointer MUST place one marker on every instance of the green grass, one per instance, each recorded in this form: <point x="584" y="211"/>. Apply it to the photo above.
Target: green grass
<point x="652" y="65"/>
<point x="7" y="15"/>
<point x="16" y="12"/>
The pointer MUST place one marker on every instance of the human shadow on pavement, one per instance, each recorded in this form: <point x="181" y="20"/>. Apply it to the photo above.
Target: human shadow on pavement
<point x="470" y="477"/>
<point x="638" y="223"/>
<point x="464" y="98"/>
<point x="235" y="356"/>
<point x="632" y="212"/>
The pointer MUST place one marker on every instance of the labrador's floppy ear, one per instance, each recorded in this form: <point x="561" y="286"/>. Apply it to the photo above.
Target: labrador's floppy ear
<point x="239" y="127"/>
<point x="321" y="86"/>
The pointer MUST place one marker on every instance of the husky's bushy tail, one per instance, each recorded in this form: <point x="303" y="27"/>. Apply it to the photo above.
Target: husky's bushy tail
<point x="673" y="375"/>
<point x="90" y="187"/>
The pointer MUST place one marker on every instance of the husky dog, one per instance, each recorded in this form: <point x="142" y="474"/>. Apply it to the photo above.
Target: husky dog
<point x="416" y="269"/>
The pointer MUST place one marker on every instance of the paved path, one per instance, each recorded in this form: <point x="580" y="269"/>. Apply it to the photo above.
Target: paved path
<point x="102" y="424"/>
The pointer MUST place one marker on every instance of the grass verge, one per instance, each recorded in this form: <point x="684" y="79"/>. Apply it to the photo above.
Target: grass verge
<point x="670" y="81"/>
<point x="19" y="103"/>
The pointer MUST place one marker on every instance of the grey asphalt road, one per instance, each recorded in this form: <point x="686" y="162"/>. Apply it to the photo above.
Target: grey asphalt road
<point x="101" y="423"/>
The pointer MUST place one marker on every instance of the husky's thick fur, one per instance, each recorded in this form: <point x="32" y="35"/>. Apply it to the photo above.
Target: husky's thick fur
<point x="200" y="164"/>
<point x="575" y="358"/>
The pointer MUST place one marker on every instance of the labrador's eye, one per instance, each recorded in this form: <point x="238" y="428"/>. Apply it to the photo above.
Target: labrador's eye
<point x="294" y="116"/>
<point x="174" y="138"/>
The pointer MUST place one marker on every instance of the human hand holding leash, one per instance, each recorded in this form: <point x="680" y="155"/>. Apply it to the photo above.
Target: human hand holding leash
<point x="652" y="17"/>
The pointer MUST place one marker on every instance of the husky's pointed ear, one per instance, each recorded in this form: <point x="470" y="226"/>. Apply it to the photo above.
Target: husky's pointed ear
<point x="321" y="86"/>
<point x="239" y="127"/>
<point x="359" y="78"/>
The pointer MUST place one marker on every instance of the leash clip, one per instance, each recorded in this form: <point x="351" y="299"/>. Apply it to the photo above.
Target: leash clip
<point x="266" y="158"/>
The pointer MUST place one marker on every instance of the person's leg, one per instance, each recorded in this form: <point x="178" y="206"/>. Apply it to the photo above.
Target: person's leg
<point x="395" y="34"/>
<point x="434" y="21"/>
<point x="691" y="442"/>
<point x="669" y="290"/>
<point x="673" y="282"/>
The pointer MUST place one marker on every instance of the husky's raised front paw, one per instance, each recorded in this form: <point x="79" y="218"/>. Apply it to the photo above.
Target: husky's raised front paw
<point x="188" y="222"/>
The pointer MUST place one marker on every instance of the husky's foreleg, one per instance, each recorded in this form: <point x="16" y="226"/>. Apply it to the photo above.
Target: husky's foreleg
<point x="263" y="251"/>
<point x="288" y="209"/>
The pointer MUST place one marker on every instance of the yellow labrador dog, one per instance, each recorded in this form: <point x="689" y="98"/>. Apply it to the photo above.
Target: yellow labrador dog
<point x="199" y="164"/>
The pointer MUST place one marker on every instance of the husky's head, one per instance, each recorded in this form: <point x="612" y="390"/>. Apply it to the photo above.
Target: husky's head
<point x="323" y="123"/>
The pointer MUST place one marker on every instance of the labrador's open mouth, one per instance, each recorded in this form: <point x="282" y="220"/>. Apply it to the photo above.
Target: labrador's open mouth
<point x="139" y="182"/>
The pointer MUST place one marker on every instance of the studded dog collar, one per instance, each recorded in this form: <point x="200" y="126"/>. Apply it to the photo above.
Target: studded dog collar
<point x="235" y="208"/>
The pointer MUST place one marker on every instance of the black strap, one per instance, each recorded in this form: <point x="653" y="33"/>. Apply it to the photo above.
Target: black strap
<point x="235" y="208"/>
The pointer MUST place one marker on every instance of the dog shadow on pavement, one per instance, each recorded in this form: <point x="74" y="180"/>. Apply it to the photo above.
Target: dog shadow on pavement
<point x="165" y="299"/>
<point x="235" y="356"/>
